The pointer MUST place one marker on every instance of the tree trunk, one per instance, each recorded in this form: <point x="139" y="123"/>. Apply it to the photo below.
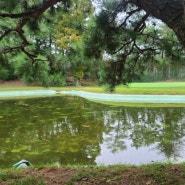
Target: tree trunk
<point x="78" y="82"/>
<point x="169" y="72"/>
<point x="171" y="12"/>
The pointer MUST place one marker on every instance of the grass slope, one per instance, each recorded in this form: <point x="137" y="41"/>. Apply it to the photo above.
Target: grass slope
<point x="152" y="174"/>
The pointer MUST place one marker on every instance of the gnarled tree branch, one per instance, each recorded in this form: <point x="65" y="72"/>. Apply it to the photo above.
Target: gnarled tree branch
<point x="23" y="18"/>
<point x="171" y="12"/>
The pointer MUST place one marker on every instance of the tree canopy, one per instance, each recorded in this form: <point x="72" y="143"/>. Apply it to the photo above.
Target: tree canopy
<point x="23" y="13"/>
<point x="125" y="33"/>
<point x="130" y="39"/>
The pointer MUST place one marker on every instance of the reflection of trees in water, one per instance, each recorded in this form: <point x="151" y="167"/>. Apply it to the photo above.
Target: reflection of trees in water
<point x="171" y="141"/>
<point x="145" y="126"/>
<point x="51" y="129"/>
<point x="115" y="130"/>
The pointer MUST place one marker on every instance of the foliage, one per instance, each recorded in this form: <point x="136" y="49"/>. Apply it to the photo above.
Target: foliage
<point x="120" y="37"/>
<point x="71" y="23"/>
<point x="56" y="80"/>
<point x="24" y="17"/>
<point x="68" y="38"/>
<point x="35" y="72"/>
<point x="168" y="62"/>
<point x="6" y="69"/>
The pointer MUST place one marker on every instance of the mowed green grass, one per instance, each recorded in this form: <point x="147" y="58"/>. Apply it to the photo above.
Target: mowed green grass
<point x="153" y="88"/>
<point x="173" y="88"/>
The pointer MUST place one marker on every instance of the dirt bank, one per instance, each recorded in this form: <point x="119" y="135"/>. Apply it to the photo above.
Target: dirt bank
<point x="153" y="174"/>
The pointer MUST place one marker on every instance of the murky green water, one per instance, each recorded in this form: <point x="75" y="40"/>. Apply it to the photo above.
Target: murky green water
<point x="72" y="130"/>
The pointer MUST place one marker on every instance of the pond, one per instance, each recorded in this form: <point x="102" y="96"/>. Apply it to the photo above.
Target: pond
<point x="72" y="130"/>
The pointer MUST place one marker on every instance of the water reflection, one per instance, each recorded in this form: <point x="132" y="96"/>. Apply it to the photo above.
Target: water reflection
<point x="143" y="127"/>
<point x="72" y="130"/>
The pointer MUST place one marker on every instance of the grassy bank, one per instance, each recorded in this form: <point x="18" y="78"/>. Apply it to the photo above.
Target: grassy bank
<point x="134" y="88"/>
<point x="152" y="174"/>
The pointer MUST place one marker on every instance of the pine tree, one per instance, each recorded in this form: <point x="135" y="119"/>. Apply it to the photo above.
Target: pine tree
<point x="121" y="36"/>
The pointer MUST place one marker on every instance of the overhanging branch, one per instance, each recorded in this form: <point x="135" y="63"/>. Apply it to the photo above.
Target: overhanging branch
<point x="23" y="18"/>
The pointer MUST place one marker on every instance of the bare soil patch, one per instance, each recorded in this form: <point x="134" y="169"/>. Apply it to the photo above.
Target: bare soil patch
<point x="12" y="83"/>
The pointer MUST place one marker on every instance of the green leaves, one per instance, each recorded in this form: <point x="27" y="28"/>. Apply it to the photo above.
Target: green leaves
<point x="41" y="57"/>
<point x="9" y="5"/>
